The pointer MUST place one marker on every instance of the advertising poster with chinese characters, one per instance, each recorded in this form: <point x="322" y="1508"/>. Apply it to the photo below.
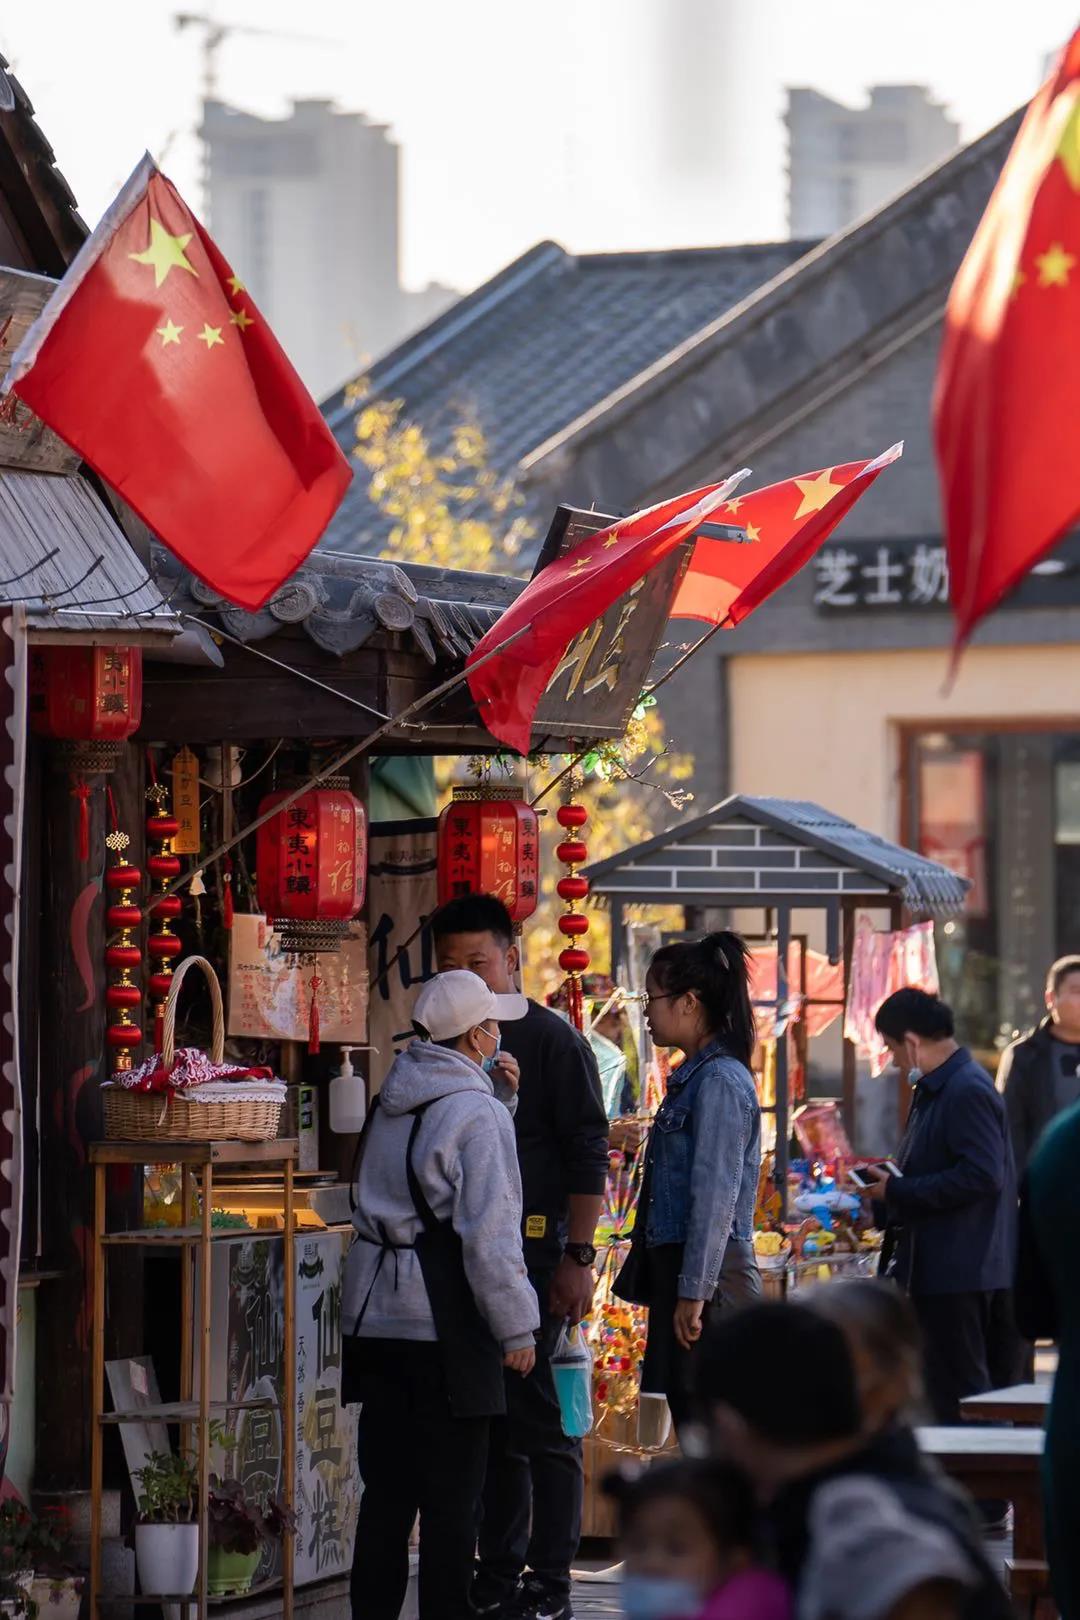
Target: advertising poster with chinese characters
<point x="269" y="994"/>
<point x="246" y="1352"/>
<point x="402" y="892"/>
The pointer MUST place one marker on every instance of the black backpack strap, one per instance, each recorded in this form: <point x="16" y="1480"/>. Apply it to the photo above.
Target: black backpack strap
<point x="416" y="1192"/>
<point x="361" y="1143"/>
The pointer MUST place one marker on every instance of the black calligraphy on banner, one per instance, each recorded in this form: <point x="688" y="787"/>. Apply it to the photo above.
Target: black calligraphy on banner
<point x="402" y="894"/>
<point x="908" y="576"/>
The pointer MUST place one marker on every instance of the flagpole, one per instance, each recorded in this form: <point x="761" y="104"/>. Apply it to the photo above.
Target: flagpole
<point x="336" y="765"/>
<point x="650" y="691"/>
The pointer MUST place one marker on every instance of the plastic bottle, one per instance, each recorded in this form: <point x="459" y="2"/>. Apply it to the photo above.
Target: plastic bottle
<point x="572" y="1369"/>
<point x="348" y="1097"/>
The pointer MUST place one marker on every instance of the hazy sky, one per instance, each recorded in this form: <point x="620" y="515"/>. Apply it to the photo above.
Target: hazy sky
<point x="606" y="124"/>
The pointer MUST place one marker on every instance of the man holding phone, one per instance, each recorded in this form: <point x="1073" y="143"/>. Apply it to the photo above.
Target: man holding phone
<point x="951" y="1213"/>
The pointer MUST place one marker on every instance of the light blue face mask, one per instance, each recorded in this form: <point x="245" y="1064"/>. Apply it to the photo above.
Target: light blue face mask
<point x="488" y="1063"/>
<point x="659" y="1597"/>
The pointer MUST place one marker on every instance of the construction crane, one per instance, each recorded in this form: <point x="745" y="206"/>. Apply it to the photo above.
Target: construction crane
<point x="216" y="32"/>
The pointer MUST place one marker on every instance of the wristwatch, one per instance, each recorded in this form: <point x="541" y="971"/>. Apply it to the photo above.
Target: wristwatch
<point x="583" y="1253"/>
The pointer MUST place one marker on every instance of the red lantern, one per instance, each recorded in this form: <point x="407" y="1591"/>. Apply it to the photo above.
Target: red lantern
<point x="86" y="694"/>
<point x="311" y="866"/>
<point x="573" y="925"/>
<point x="122" y="955"/>
<point x="490" y="846"/>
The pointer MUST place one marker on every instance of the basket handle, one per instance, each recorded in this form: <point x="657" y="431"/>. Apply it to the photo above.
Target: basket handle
<point x="168" y="1034"/>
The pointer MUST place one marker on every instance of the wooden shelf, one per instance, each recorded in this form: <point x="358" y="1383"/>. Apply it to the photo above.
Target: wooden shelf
<point x="166" y="1152"/>
<point x="178" y="1235"/>
<point x="183" y="1411"/>
<point x="131" y="1599"/>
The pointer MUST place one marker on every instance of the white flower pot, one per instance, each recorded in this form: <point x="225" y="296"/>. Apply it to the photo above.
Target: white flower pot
<point x="59" y="1599"/>
<point x="167" y="1557"/>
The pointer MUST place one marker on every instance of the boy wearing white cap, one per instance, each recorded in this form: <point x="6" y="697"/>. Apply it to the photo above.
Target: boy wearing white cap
<point x="436" y="1298"/>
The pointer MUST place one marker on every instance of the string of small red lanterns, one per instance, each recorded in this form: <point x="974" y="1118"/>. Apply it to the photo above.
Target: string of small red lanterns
<point x="164" y="868"/>
<point x="122" y="955"/>
<point x="573" y="888"/>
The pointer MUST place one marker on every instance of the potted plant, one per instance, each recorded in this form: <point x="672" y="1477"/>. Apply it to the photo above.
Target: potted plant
<point x="238" y="1531"/>
<point x="167" y="1533"/>
<point x="56" y="1588"/>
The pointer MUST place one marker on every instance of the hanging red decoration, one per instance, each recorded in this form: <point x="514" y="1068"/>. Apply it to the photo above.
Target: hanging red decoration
<point x="123" y="958"/>
<point x="573" y="888"/>
<point x="164" y="868"/>
<point x="311" y="874"/>
<point x="490" y="846"/>
<point x="88" y="700"/>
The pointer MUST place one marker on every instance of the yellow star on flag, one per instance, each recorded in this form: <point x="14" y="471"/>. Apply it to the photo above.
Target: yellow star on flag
<point x="1068" y="149"/>
<point x="169" y="333"/>
<point x="242" y="319"/>
<point x="612" y="540"/>
<point x="210" y="335"/>
<point x="752" y="533"/>
<point x="734" y="504"/>
<point x="1054" y="266"/>
<point x="816" y="492"/>
<point x="164" y="253"/>
<point x="237" y="285"/>
<point x="579" y="563"/>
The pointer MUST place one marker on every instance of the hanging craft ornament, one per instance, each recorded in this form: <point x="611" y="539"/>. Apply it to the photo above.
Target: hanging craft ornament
<point x="185" y="803"/>
<point x="164" y="868"/>
<point x="311" y="875"/>
<point x="573" y="888"/>
<point x="123" y="958"/>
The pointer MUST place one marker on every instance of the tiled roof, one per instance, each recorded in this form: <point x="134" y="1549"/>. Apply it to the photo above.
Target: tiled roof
<point x="764" y="850"/>
<point x="40" y="200"/>
<point x="548" y="338"/>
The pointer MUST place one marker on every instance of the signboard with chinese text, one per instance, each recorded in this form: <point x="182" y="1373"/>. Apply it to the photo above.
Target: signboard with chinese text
<point x="875" y="576"/>
<point x="246" y="1363"/>
<point x="596" y="687"/>
<point x="402" y="893"/>
<point x="269" y="993"/>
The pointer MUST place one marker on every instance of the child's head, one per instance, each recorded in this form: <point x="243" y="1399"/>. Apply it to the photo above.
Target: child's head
<point x="883" y="1336"/>
<point x="686" y="1527"/>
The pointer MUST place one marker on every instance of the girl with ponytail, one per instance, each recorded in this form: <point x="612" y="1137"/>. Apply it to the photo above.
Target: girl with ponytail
<point x="693" y="1239"/>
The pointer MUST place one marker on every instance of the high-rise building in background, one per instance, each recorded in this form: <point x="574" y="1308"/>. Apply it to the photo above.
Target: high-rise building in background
<point x="307" y="209"/>
<point x="845" y="161"/>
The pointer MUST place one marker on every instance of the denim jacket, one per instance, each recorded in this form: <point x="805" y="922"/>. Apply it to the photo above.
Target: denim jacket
<point x="704" y="1158"/>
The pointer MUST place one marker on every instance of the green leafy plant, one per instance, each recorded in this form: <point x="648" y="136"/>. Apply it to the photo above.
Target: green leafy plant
<point x="168" y="1489"/>
<point x="26" y="1541"/>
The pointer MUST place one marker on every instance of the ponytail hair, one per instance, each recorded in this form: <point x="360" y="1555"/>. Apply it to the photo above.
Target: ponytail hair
<point x="717" y="969"/>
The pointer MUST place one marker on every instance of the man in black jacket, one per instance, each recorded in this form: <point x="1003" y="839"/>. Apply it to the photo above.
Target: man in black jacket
<point x="1039" y="1075"/>
<point x="533" y="1495"/>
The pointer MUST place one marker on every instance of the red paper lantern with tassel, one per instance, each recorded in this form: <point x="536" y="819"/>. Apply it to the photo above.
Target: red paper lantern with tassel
<point x="88" y="700"/>
<point x="573" y="888"/>
<point x="122" y="955"/>
<point x="311" y="874"/>
<point x="490" y="846"/>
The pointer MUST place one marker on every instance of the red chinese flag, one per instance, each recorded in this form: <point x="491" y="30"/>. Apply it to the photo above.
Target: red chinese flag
<point x="1006" y="425"/>
<point x="151" y="360"/>
<point x="565" y="598"/>
<point x="786" y="524"/>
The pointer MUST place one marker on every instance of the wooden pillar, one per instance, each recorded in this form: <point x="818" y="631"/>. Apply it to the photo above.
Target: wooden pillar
<point x="337" y="1153"/>
<point x="783" y="1120"/>
<point x="849" y="1056"/>
<point x="71" y="1033"/>
<point x="903" y="1086"/>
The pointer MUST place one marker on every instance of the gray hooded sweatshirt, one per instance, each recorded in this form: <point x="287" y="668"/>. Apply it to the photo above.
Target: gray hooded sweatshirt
<point x="465" y="1158"/>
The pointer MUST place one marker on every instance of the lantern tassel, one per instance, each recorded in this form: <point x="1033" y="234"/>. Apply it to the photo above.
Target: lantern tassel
<point x="574" y="1002"/>
<point x="313" y="1017"/>
<point x="81" y="792"/>
<point x="227" y="901"/>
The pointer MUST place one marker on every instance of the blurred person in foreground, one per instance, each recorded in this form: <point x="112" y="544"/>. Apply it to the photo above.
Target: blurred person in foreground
<point x="950" y="1216"/>
<point x="861" y="1525"/>
<point x="535" y="1479"/>
<point x="1039" y="1074"/>
<point x="692" y="1247"/>
<point x="689" y="1534"/>
<point x="1048" y="1307"/>
<point x="437" y="1308"/>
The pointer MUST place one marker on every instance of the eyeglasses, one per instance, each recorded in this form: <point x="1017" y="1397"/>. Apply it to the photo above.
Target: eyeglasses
<point x="647" y="1000"/>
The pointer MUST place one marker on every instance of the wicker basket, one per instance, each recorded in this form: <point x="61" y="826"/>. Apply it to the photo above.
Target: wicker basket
<point x="135" y="1116"/>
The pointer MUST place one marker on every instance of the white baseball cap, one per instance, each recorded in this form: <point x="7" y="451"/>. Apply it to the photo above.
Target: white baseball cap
<point x="453" y="1002"/>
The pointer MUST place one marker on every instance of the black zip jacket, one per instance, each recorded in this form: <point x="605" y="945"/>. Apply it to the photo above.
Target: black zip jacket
<point x="1026" y="1079"/>
<point x="562" y="1129"/>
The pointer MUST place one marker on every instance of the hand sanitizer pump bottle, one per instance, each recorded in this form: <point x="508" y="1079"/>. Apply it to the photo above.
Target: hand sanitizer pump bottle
<point x="348" y="1097"/>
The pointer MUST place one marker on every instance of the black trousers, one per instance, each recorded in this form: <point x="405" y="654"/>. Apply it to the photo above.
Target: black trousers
<point x="535" y="1481"/>
<point x="970" y="1344"/>
<point x="668" y="1369"/>
<point x="415" y="1457"/>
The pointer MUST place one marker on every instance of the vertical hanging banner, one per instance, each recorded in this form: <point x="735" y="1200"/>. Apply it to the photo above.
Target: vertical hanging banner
<point x="185" y="799"/>
<point x="402" y="894"/>
<point x="13" y="704"/>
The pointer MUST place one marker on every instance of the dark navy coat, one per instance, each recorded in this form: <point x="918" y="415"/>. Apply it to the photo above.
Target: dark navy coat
<point x="955" y="1203"/>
